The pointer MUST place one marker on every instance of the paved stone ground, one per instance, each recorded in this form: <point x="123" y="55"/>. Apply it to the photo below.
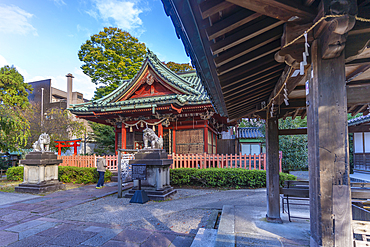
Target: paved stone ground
<point x="68" y="218"/>
<point x="89" y="217"/>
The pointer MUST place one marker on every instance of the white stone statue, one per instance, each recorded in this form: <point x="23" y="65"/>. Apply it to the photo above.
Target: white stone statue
<point x="155" y="141"/>
<point x="42" y="144"/>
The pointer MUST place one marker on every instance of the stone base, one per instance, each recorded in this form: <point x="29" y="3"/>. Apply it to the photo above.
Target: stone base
<point x="154" y="195"/>
<point x="274" y="220"/>
<point x="40" y="188"/>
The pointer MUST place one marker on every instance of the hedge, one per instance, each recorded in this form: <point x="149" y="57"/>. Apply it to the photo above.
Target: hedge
<point x="67" y="174"/>
<point x="223" y="177"/>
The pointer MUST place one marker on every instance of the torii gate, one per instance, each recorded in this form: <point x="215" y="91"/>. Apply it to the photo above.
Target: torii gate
<point x="65" y="143"/>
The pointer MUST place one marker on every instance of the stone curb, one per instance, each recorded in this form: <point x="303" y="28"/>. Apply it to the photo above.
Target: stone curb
<point x="226" y="229"/>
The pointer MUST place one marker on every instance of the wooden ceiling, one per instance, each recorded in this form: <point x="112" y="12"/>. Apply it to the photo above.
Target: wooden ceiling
<point x="236" y="45"/>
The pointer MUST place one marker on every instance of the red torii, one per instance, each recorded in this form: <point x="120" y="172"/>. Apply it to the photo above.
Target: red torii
<point x="65" y="143"/>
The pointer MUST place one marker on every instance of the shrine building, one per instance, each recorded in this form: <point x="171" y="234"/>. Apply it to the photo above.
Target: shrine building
<point x="175" y="106"/>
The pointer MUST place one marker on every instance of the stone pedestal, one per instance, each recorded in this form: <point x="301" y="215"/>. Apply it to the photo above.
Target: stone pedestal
<point x="40" y="173"/>
<point x="157" y="183"/>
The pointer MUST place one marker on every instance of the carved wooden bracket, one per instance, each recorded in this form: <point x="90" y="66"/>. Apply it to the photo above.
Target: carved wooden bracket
<point x="333" y="39"/>
<point x="333" y="32"/>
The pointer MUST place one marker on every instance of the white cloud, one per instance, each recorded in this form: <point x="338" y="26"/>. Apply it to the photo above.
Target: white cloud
<point x="124" y="14"/>
<point x="82" y="83"/>
<point x="59" y="2"/>
<point x="3" y="61"/>
<point x="15" y="20"/>
<point x="83" y="30"/>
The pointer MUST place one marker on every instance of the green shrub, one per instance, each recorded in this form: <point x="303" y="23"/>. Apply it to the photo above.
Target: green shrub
<point x="223" y="177"/>
<point x="81" y="175"/>
<point x="15" y="173"/>
<point x="67" y="174"/>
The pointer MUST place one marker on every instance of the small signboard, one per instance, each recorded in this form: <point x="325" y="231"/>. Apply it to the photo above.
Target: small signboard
<point x="138" y="172"/>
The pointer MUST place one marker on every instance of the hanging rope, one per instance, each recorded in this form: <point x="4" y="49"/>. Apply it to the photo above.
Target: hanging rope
<point x="142" y="121"/>
<point x="295" y="40"/>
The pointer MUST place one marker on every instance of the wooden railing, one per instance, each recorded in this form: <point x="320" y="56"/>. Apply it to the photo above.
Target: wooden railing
<point x="88" y="161"/>
<point x="200" y="161"/>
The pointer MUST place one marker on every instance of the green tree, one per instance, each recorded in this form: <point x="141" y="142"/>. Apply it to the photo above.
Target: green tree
<point x="14" y="127"/>
<point x="105" y="137"/>
<point x="294" y="147"/>
<point x="59" y="124"/>
<point x="179" y="67"/>
<point x="111" y="56"/>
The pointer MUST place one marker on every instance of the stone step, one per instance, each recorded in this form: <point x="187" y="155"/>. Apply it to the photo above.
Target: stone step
<point x="226" y="229"/>
<point x="205" y="238"/>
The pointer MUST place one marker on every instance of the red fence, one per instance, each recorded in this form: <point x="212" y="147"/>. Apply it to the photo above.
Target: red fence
<point x="88" y="161"/>
<point x="200" y="161"/>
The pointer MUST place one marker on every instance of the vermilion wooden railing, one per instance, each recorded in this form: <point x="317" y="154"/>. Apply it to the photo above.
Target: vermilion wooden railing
<point x="88" y="161"/>
<point x="200" y="161"/>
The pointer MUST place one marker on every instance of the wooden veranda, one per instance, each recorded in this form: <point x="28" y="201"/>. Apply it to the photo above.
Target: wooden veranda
<point x="277" y="58"/>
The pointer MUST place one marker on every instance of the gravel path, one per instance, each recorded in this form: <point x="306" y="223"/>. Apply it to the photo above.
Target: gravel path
<point x="188" y="210"/>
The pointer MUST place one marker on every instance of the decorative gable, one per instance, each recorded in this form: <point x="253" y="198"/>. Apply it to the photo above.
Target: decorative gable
<point x="149" y="85"/>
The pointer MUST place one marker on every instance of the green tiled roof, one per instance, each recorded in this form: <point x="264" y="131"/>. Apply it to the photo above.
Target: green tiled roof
<point x="187" y="83"/>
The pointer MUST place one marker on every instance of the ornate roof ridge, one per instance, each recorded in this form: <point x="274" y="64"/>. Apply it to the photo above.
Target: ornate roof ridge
<point x="359" y="120"/>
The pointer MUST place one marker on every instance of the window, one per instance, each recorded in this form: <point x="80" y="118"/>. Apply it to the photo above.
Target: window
<point x="358" y="143"/>
<point x="250" y="148"/>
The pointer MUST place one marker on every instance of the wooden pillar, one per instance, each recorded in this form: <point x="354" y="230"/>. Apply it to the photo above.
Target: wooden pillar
<point x="123" y="137"/>
<point x="272" y="170"/>
<point x="160" y="130"/>
<point x="115" y="139"/>
<point x="330" y="195"/>
<point x="174" y="141"/>
<point x="206" y="139"/>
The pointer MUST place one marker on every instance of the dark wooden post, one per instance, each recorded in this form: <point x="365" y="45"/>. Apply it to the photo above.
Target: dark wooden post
<point x="272" y="170"/>
<point x="330" y="196"/>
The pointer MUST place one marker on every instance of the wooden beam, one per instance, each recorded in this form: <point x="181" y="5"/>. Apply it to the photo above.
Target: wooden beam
<point x="295" y="113"/>
<point x="249" y="57"/>
<point x="360" y="83"/>
<point x="361" y="109"/>
<point x="243" y="95"/>
<point x="352" y="108"/>
<point x="256" y="80"/>
<point x="365" y="2"/>
<point x="304" y="114"/>
<point x="248" y="46"/>
<point x="208" y="8"/>
<point x="358" y="95"/>
<point x="302" y="131"/>
<point x="283" y="10"/>
<point x="245" y="34"/>
<point x="357" y="62"/>
<point x="251" y="86"/>
<point x="264" y="64"/>
<point x="358" y="128"/>
<point x="357" y="72"/>
<point x="230" y="23"/>
<point x="251" y="100"/>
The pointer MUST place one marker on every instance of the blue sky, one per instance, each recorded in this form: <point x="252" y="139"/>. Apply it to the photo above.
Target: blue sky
<point x="41" y="38"/>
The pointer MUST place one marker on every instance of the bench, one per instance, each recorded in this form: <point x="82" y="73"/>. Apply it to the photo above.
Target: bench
<point x="297" y="193"/>
<point x="294" y="193"/>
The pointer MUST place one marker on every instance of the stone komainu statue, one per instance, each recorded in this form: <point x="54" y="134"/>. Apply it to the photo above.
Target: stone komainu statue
<point x="42" y="144"/>
<point x="155" y="141"/>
